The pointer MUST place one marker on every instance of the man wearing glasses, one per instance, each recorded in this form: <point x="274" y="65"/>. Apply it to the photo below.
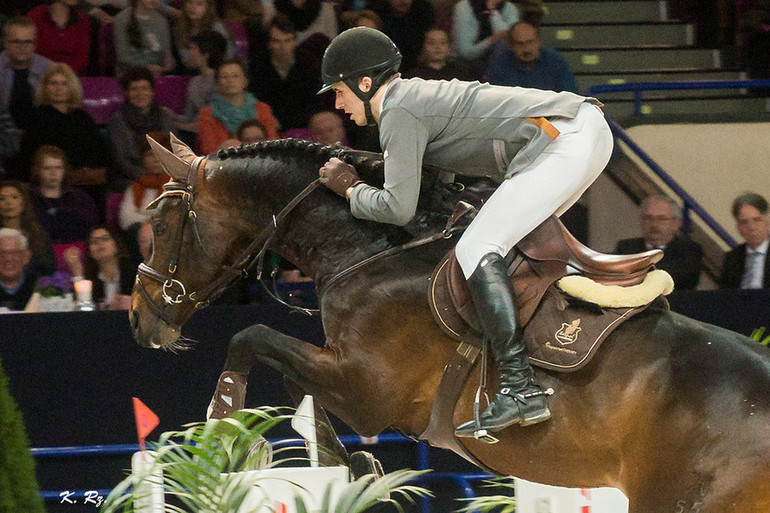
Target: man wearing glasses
<point x="661" y="222"/>
<point x="20" y="69"/>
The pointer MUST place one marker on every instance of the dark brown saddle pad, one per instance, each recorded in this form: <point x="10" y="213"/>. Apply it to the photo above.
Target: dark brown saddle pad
<point x="563" y="333"/>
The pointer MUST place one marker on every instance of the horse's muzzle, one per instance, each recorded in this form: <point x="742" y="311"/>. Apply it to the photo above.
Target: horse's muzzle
<point x="148" y="329"/>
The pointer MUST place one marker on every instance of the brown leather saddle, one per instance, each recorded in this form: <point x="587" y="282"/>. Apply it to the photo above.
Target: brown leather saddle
<point x="544" y="256"/>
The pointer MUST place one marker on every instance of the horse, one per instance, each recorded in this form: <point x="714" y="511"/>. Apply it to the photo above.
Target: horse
<point x="673" y="412"/>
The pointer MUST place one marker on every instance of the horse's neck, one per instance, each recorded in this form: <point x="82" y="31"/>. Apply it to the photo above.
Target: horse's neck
<point x="319" y="235"/>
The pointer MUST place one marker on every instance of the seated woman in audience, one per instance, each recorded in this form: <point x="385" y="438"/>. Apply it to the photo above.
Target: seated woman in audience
<point x="63" y="33"/>
<point x="65" y="213"/>
<point x="478" y="24"/>
<point x="109" y="268"/>
<point x="59" y="120"/>
<point x="231" y="106"/>
<point x="16" y="212"/>
<point x="197" y="16"/>
<point x="207" y="51"/>
<point x="142" y="38"/>
<point x="145" y="188"/>
<point x="139" y="115"/>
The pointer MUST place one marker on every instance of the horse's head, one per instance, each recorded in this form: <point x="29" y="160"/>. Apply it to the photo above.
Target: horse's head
<point x="191" y="239"/>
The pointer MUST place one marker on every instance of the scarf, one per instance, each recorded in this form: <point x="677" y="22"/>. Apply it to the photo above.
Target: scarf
<point x="301" y="18"/>
<point x="140" y="123"/>
<point x="147" y="181"/>
<point x="230" y="115"/>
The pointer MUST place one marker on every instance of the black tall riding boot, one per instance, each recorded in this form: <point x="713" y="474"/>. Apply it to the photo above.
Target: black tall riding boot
<point x="520" y="399"/>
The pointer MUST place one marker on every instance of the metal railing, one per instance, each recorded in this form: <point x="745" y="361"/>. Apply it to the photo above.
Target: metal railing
<point x="637" y="88"/>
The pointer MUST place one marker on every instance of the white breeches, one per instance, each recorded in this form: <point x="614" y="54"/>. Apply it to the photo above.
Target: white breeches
<point x="549" y="185"/>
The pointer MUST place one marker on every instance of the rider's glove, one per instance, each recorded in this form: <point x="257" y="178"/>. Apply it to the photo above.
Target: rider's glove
<point x="338" y="176"/>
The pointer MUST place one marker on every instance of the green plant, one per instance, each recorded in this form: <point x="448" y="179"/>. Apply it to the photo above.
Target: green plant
<point x="202" y="467"/>
<point x="18" y="487"/>
<point x="757" y="335"/>
<point x="495" y="503"/>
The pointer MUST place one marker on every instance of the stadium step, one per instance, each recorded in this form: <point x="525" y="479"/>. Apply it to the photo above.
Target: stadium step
<point x="604" y="12"/>
<point x="618" y="35"/>
<point x="586" y="81"/>
<point x="637" y="60"/>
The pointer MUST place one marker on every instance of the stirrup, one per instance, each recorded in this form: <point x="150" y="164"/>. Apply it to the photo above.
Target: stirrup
<point x="480" y="433"/>
<point x="229" y="395"/>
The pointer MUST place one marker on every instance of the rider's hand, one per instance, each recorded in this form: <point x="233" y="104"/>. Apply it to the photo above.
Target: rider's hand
<point x="338" y="176"/>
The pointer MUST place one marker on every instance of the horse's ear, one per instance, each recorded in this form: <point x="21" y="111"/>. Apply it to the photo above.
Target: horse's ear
<point x="181" y="150"/>
<point x="175" y="167"/>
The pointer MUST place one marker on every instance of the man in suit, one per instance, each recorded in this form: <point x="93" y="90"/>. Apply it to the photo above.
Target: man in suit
<point x="661" y="221"/>
<point x="746" y="267"/>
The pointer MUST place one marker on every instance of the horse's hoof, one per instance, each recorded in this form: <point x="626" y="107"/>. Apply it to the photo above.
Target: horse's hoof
<point x="363" y="463"/>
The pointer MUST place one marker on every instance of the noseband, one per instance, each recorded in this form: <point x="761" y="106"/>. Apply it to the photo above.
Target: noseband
<point x="174" y="291"/>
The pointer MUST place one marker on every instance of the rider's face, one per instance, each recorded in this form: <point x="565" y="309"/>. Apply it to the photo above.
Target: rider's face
<point x="346" y="100"/>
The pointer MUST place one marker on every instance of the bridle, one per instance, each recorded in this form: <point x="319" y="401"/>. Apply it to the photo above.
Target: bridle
<point x="175" y="292"/>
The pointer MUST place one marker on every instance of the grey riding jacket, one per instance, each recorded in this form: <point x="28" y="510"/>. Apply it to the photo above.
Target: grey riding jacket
<point x="466" y="128"/>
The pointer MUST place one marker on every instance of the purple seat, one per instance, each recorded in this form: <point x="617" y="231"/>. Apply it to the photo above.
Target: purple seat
<point x="112" y="214"/>
<point x="102" y="97"/>
<point x="171" y="91"/>
<point x="240" y="39"/>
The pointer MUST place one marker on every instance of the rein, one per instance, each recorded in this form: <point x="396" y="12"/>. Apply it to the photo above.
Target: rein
<point x="174" y="291"/>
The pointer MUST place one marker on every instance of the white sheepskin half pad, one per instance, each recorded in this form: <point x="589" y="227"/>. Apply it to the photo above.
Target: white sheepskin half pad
<point x="656" y="282"/>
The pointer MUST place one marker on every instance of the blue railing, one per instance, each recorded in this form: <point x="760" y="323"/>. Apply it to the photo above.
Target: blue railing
<point x="637" y="88"/>
<point x="463" y="481"/>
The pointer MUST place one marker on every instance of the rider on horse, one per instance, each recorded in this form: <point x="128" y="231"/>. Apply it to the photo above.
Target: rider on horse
<point x="545" y="149"/>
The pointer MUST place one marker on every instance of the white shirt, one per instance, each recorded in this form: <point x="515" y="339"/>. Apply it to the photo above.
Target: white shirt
<point x="753" y="273"/>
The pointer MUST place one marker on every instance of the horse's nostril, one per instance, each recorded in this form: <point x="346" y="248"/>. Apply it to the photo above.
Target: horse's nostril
<point x="134" y="317"/>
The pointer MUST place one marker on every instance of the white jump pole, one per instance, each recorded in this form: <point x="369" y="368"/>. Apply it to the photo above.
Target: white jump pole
<point x="303" y="423"/>
<point x="148" y="492"/>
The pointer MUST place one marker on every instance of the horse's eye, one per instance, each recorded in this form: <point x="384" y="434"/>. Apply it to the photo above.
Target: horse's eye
<point x="160" y="227"/>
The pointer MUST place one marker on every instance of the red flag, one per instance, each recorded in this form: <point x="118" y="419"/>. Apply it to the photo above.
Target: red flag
<point x="146" y="420"/>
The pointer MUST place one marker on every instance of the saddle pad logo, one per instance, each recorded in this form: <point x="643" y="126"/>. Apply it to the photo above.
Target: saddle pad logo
<point x="568" y="333"/>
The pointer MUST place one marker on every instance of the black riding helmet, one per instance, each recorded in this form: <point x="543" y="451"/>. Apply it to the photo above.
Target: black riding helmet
<point x="356" y="53"/>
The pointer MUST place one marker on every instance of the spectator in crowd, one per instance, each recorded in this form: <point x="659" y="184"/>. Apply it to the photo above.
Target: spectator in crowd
<point x="435" y="62"/>
<point x="17" y="283"/>
<point x="60" y="121"/>
<point x="478" y="24"/>
<point x="661" y="221"/>
<point x="747" y="266"/>
<point x="406" y="22"/>
<point x="251" y="131"/>
<point x="310" y="17"/>
<point x="109" y="268"/>
<point x="21" y="69"/>
<point x="326" y="127"/>
<point x="754" y="40"/>
<point x="362" y="18"/>
<point x="141" y="192"/>
<point x="63" y="33"/>
<point x="523" y="61"/>
<point x="16" y="212"/>
<point x="197" y="16"/>
<point x="288" y="80"/>
<point x="65" y="213"/>
<point x="139" y="115"/>
<point x="207" y="51"/>
<point x="142" y="38"/>
<point x="230" y="106"/>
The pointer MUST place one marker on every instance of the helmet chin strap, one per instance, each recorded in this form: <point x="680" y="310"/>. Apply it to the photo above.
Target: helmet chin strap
<point x="364" y="96"/>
